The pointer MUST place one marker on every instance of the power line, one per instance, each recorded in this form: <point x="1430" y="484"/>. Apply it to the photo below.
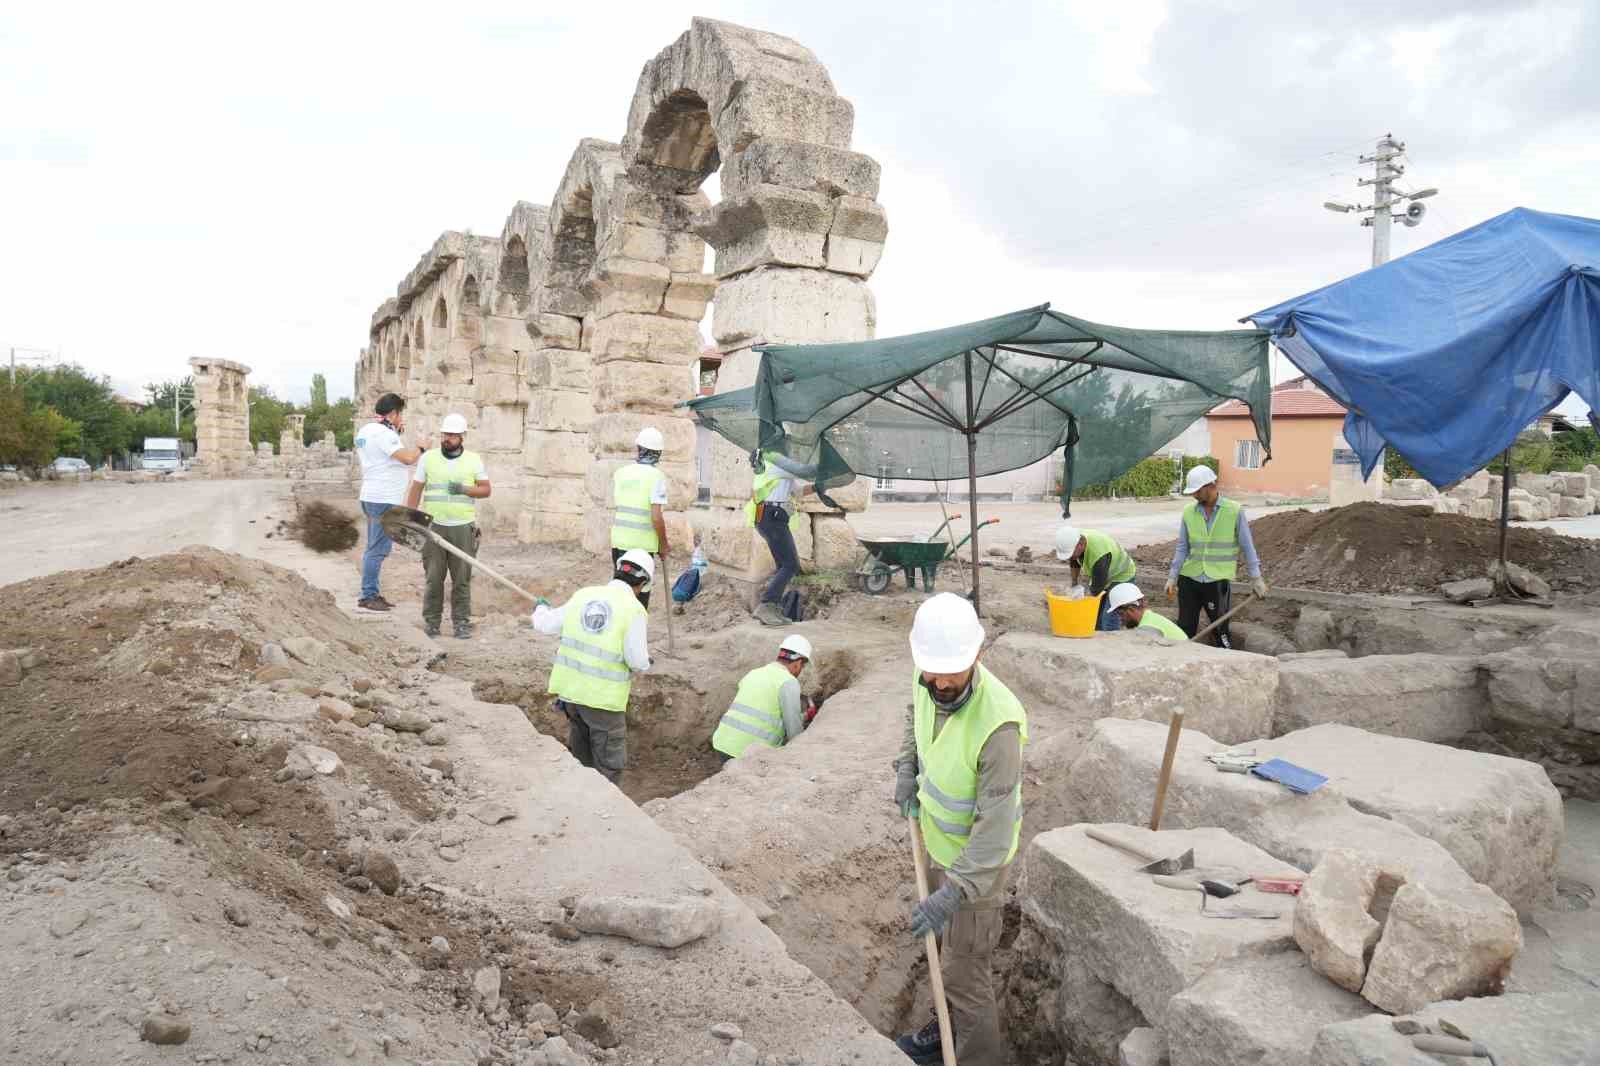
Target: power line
<point x="1387" y="168"/>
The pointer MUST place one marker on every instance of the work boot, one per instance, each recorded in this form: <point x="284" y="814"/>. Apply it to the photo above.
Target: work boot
<point x="387" y="606"/>
<point x="373" y="603"/>
<point x="770" y="614"/>
<point x="430" y="629"/>
<point x="923" y="1046"/>
<point x="463" y="630"/>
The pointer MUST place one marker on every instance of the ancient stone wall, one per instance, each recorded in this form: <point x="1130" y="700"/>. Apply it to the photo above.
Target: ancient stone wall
<point x="221" y="428"/>
<point x="586" y="329"/>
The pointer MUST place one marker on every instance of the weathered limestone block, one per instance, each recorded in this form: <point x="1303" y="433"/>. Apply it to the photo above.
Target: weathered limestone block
<point x="555" y="495"/>
<point x="1553" y="1029"/>
<point x="1425" y="697"/>
<point x="1146" y="941"/>
<point x="1442" y="942"/>
<point x="1471" y="488"/>
<point x="555" y="331"/>
<point x="1524" y="511"/>
<point x="548" y="528"/>
<point x="834" y="543"/>
<point x="500" y="331"/>
<point x="498" y="389"/>
<point x="800" y="165"/>
<point x="498" y="428"/>
<point x="680" y="482"/>
<point x="688" y="294"/>
<point x="557" y="368"/>
<point x="555" y="454"/>
<point x="560" y="410"/>
<point x="1522" y="579"/>
<point x="662" y="921"/>
<point x="1549" y="504"/>
<point x="1472" y="588"/>
<point x="1333" y="920"/>
<point x="623" y="285"/>
<point x="1446" y="505"/>
<point x="1540" y="691"/>
<point x="1140" y="679"/>
<point x="1537" y="484"/>
<point x="855" y="239"/>
<point x="639" y="338"/>
<point x="654" y="387"/>
<point x="686" y="253"/>
<point x="1144" y="1046"/>
<point x="852" y="498"/>
<point x="1411" y="489"/>
<point x="644" y="244"/>
<point x="1574" y="506"/>
<point x="789" y="306"/>
<point x="1256" y="1010"/>
<point x="615" y="433"/>
<point x="769" y="225"/>
<point x="1484" y="508"/>
<point x="1520" y="494"/>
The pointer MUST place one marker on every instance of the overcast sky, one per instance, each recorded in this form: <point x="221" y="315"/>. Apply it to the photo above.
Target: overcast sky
<point x="250" y="184"/>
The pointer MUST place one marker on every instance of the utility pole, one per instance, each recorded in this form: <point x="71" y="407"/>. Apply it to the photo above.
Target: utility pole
<point x="41" y="356"/>
<point x="1386" y="168"/>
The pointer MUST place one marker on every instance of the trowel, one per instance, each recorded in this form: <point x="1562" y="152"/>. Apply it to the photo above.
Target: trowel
<point x="1154" y="864"/>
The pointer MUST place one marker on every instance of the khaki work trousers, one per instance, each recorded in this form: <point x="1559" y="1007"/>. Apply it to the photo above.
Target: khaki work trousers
<point x="436" y="563"/>
<point x="597" y="739"/>
<point x="966" y="956"/>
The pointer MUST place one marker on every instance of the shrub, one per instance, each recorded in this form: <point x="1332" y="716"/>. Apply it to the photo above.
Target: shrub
<point x="1150" y="477"/>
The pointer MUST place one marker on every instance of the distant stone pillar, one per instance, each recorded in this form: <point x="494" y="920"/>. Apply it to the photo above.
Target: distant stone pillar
<point x="291" y="439"/>
<point x="221" y="427"/>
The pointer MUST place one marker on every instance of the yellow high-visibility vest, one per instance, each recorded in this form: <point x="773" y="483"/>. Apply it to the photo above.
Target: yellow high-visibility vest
<point x="450" y="510"/>
<point x="756" y="714"/>
<point x="631" y="489"/>
<point x="947" y="788"/>
<point x="590" y="667"/>
<point x="1214" y="552"/>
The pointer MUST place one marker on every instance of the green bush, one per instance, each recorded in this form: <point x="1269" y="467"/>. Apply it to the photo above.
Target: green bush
<point x="1575" y="450"/>
<point x="1151" y="477"/>
<point x="1395" y="466"/>
<point x="1191" y="461"/>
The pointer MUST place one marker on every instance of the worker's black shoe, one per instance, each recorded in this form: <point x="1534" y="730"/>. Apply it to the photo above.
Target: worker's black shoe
<point x="430" y="629"/>
<point x="463" y="630"/>
<point x="923" y="1046"/>
<point x="373" y="603"/>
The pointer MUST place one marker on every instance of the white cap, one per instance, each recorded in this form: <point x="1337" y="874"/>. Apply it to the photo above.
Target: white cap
<point x="453" y="424"/>
<point x="650" y="439"/>
<point x="946" y="635"/>
<point x="1122" y="595"/>
<point x="642" y="559"/>
<point x="797" y="646"/>
<point x="1067" y="538"/>
<point x="1199" y="478"/>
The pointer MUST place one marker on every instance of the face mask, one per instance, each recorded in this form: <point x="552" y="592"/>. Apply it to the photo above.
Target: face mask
<point x="956" y="701"/>
<point x="648" y="458"/>
<point x="449" y="452"/>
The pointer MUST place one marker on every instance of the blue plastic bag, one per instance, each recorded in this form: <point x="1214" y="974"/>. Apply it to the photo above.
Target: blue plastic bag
<point x="688" y="583"/>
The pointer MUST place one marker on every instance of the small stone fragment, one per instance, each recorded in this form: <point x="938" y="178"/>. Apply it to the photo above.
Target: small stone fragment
<point x="381" y="870"/>
<point x="726" y="1031"/>
<point x="741" y="1053"/>
<point x="1333" y="923"/>
<point x="236" y="914"/>
<point x="663" y="921"/>
<point x="308" y="650"/>
<point x="68" y="922"/>
<point x="161" y="1029"/>
<point x="440" y="945"/>
<point x="486" y="985"/>
<point x="337" y="907"/>
<point x="493" y="813"/>
<point x="268" y="674"/>
<point x="272" y="655"/>
<point x="402" y="720"/>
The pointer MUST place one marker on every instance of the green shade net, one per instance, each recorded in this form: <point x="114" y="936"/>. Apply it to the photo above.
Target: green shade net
<point x="1019" y="386"/>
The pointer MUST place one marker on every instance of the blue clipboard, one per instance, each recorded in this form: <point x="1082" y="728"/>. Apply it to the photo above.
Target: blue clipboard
<point x="1295" y="778"/>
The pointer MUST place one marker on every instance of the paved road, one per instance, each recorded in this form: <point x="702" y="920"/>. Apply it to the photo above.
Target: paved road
<point x="1569" y="527"/>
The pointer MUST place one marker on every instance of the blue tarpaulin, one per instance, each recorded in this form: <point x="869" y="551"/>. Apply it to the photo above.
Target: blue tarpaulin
<point x="1448" y="353"/>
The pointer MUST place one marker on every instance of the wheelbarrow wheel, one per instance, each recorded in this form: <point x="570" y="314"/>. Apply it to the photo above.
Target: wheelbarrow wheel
<point x="878" y="580"/>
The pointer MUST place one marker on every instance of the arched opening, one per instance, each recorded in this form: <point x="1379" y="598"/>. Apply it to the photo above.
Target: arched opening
<point x="389" y="367"/>
<point x="678" y="144"/>
<point x="421" y="345"/>
<point x="441" y="315"/>
<point x="513" y="267"/>
<point x="469" y="298"/>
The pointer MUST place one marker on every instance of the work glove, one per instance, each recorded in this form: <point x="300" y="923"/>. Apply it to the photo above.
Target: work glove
<point x="1171" y="589"/>
<point x="905" y="790"/>
<point x="1259" y="587"/>
<point x="935" y="912"/>
<point x="457" y="488"/>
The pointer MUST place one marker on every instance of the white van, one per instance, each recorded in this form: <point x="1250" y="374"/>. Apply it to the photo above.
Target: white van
<point x="160" y="453"/>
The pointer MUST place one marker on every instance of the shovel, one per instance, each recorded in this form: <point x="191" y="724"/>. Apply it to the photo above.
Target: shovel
<point x="1154" y="864"/>
<point x="941" y="1009"/>
<point x="415" y="529"/>
<point x="1248" y="600"/>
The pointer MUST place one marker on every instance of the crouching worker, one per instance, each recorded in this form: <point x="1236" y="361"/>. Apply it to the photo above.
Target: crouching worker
<point x="767" y="709"/>
<point x="604" y="642"/>
<point x="1128" y="603"/>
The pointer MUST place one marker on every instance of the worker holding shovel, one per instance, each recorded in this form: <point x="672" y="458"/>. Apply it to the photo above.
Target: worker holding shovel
<point x="448" y="483"/>
<point x="959" y="780"/>
<point x="1211" y="535"/>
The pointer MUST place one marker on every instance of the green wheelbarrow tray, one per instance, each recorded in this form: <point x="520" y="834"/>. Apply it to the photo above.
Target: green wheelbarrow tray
<point x="884" y="557"/>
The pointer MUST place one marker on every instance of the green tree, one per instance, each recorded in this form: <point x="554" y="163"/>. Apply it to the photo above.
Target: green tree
<point x="27" y="438"/>
<point x="157" y="422"/>
<point x="319" y="395"/>
<point x="266" y="416"/>
<point x="83" y="398"/>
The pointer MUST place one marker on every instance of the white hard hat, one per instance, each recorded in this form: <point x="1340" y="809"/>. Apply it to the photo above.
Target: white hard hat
<point x="1122" y="595"/>
<point x="946" y="635"/>
<point x="797" y="646"/>
<point x="642" y="559"/>
<point x="1067" y="538"/>
<point x="1199" y="477"/>
<point x="453" y="424"/>
<point x="650" y="439"/>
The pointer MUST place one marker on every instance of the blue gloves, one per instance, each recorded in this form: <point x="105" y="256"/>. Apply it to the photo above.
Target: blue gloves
<point x="905" y="790"/>
<point x="935" y="912"/>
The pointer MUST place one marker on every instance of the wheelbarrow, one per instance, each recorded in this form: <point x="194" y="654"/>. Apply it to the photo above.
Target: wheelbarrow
<point x="884" y="557"/>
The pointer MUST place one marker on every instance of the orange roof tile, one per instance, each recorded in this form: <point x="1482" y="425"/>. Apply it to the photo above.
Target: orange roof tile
<point x="1289" y="400"/>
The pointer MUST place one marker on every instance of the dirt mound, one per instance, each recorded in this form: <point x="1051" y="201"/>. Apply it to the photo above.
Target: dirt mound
<point x="322" y="527"/>
<point x="1374" y="547"/>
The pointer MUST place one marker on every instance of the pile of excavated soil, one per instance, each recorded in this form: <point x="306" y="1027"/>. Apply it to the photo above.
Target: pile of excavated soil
<point x="322" y="527"/>
<point x="1374" y="547"/>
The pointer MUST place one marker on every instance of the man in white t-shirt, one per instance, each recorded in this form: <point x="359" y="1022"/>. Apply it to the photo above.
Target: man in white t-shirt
<point x="385" y="477"/>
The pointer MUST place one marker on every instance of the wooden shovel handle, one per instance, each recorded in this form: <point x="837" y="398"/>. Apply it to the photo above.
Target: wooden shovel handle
<point x="1174" y="728"/>
<point x="941" y="1009"/>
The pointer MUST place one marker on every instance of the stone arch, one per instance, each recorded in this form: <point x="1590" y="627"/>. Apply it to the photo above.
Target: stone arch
<point x="471" y="297"/>
<point x="389" y="366"/>
<point x="441" y="315"/>
<point x="421" y="344"/>
<point x="574" y="229"/>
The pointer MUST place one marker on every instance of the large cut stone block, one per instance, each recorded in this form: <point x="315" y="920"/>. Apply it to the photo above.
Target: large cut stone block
<point x="1500" y="818"/>
<point x="1425" y="697"/>
<point x="1574" y="506"/>
<point x="557" y="368"/>
<point x="544" y="527"/>
<point x="641" y="338"/>
<point x="498" y="389"/>
<point x="1411" y="489"/>
<point x="687" y="296"/>
<point x="554" y="495"/>
<point x="559" y="410"/>
<point x="834" y="543"/>
<point x="783" y="305"/>
<point x="1229" y="695"/>
<point x="498" y="428"/>
<point x="644" y="244"/>
<point x="1442" y="942"/>
<point x="1256" y="1010"/>
<point x="1554" y="1029"/>
<point x="852" y="498"/>
<point x="800" y="165"/>
<point x="769" y="225"/>
<point x="552" y="454"/>
<point x="686" y="253"/>
<point x="621" y="285"/>
<point x="555" y="331"/>
<point x="1333" y="920"/>
<point x="653" y="387"/>
<point x="1146" y="941"/>
<point x="680" y="483"/>
<point x="769" y="103"/>
<point x="615" y="434"/>
<point x="855" y="239"/>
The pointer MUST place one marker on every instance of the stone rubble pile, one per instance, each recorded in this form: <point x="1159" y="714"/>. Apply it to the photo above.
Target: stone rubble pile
<point x="1533" y="497"/>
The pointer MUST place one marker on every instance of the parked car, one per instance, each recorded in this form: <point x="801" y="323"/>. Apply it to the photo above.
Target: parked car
<point x="67" y="465"/>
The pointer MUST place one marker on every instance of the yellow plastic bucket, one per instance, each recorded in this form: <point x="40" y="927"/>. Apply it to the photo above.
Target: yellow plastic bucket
<point x="1072" y="618"/>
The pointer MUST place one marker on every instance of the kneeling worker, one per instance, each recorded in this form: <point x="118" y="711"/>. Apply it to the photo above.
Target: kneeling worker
<point x="1128" y="603"/>
<point x="960" y="774"/>
<point x="1103" y="558"/>
<point x="767" y="709"/>
<point x="604" y="642"/>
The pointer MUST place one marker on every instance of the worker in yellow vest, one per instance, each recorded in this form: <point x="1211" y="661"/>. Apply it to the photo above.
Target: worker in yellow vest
<point x="604" y="642"/>
<point x="638" y="500"/>
<point x="1104" y="560"/>
<point x="1127" y="603"/>
<point x="770" y="511"/>
<point x="768" y="709"/>
<point x="960" y="775"/>
<point x="1211" y="534"/>
<point x="447" y="483"/>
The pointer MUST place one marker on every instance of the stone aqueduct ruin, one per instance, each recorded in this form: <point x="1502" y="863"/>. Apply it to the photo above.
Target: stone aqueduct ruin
<point x="579" y="325"/>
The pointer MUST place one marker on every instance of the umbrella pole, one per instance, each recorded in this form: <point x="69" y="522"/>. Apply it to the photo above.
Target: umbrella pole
<point x="972" y="479"/>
